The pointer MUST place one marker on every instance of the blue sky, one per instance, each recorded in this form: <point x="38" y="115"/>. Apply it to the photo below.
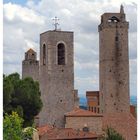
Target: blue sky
<point x="22" y="2"/>
<point x="24" y="20"/>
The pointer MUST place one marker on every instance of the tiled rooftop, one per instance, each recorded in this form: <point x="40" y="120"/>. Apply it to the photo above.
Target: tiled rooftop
<point x="77" y="112"/>
<point x="44" y="129"/>
<point x="64" y="133"/>
<point x="124" y="123"/>
<point x="69" y="133"/>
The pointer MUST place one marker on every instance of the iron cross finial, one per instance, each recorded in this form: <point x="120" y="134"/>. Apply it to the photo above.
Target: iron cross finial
<point x="56" y="22"/>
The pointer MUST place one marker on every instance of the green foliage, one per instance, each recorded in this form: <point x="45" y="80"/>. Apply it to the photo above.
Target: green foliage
<point x="111" y="134"/>
<point x="8" y="89"/>
<point x="28" y="133"/>
<point x="12" y="127"/>
<point x="22" y="96"/>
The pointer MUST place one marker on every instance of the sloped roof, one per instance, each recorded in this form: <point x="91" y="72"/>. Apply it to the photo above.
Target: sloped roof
<point x="44" y="129"/>
<point x="124" y="123"/>
<point x="69" y="133"/>
<point x="77" y="112"/>
<point x="31" y="50"/>
<point x="65" y="133"/>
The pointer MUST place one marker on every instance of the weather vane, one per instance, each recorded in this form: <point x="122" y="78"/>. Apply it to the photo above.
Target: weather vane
<point x="56" y="22"/>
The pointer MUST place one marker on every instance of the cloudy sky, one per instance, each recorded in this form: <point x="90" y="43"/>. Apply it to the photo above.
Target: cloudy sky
<point x="24" y="20"/>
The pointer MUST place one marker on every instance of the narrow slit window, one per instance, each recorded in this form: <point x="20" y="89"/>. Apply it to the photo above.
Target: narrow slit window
<point x="116" y="38"/>
<point x="44" y="54"/>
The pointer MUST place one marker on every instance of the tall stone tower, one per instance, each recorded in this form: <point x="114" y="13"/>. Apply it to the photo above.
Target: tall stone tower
<point x="56" y="76"/>
<point x="114" y="63"/>
<point x="30" y="66"/>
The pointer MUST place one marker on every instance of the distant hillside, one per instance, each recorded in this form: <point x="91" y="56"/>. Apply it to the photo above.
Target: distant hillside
<point x="83" y="102"/>
<point x="133" y="100"/>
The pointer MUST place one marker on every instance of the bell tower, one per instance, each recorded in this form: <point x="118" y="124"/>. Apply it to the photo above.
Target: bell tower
<point x="30" y="65"/>
<point x="114" y="63"/>
<point x="56" y="76"/>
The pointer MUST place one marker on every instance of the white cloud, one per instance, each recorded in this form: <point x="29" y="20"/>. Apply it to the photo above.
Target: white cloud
<point x="23" y="24"/>
<point x="16" y="12"/>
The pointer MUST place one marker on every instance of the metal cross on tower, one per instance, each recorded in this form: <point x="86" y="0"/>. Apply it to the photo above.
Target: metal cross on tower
<point x="56" y="22"/>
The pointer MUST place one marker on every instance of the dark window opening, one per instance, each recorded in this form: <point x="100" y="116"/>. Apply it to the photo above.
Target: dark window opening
<point x="98" y="110"/>
<point x="61" y="54"/>
<point x="92" y="109"/>
<point x="113" y="19"/>
<point x="44" y="54"/>
<point x="86" y="129"/>
<point x="116" y="38"/>
<point x="89" y="108"/>
<point x="95" y="109"/>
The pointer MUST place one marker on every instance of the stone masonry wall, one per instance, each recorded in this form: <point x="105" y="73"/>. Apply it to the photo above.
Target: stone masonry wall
<point x="93" y="123"/>
<point x="114" y="64"/>
<point x="56" y="81"/>
<point x="30" y="68"/>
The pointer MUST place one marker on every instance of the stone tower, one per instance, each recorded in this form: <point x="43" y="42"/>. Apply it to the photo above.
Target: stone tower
<point x="30" y="66"/>
<point x="56" y="76"/>
<point x="114" y="63"/>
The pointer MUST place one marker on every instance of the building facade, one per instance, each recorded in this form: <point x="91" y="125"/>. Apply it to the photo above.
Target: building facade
<point x="93" y="101"/>
<point x="56" y="76"/>
<point x="80" y="119"/>
<point x="114" y="63"/>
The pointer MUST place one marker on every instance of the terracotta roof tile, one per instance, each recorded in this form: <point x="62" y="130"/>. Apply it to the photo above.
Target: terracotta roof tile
<point x="124" y="123"/>
<point x="77" y="112"/>
<point x="44" y="129"/>
<point x="67" y="133"/>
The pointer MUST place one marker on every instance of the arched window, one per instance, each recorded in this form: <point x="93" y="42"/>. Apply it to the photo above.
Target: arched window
<point x="44" y="54"/>
<point x="61" y="54"/>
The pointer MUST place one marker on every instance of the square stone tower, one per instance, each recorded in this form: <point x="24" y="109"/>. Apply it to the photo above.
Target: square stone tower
<point x="114" y="63"/>
<point x="30" y="65"/>
<point x="56" y="76"/>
